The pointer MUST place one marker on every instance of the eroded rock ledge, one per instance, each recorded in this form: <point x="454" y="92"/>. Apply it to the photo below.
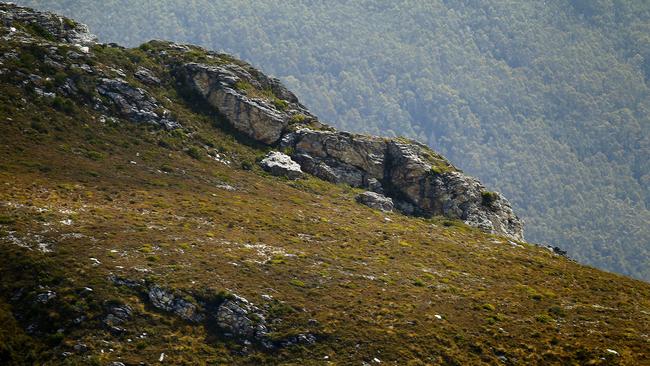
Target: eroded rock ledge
<point x="419" y="181"/>
<point x="233" y="315"/>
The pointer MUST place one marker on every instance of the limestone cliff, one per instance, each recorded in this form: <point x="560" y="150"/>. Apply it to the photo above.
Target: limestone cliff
<point x="420" y="181"/>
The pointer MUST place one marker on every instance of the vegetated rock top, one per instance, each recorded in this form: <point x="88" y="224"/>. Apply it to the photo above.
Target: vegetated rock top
<point x="49" y="26"/>
<point x="137" y="221"/>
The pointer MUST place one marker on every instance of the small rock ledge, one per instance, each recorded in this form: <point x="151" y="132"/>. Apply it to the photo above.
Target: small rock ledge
<point x="234" y="316"/>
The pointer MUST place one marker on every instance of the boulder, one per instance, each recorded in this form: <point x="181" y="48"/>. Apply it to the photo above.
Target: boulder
<point x="280" y="164"/>
<point x="118" y="315"/>
<point x="46" y="296"/>
<point x="376" y="201"/>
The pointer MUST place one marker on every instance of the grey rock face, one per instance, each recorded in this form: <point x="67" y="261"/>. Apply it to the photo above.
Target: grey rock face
<point x="449" y="193"/>
<point x="331" y="170"/>
<point x="366" y="153"/>
<point x="168" y="301"/>
<point x="255" y="117"/>
<point x="118" y="315"/>
<point x="242" y="319"/>
<point x="304" y="339"/>
<point x="280" y="164"/>
<point x="420" y="181"/>
<point x="235" y="316"/>
<point x="135" y="104"/>
<point x="376" y="201"/>
<point x="62" y="30"/>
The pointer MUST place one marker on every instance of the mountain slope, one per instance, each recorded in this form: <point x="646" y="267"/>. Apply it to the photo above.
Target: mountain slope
<point x="143" y="234"/>
<point x="544" y="101"/>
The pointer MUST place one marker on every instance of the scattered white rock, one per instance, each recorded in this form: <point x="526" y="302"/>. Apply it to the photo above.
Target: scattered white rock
<point x="72" y="236"/>
<point x="513" y="244"/>
<point x="438" y="316"/>
<point x="95" y="261"/>
<point x="43" y="93"/>
<point x="226" y="187"/>
<point x="162" y="357"/>
<point x="45" y="296"/>
<point x="84" y="49"/>
<point x="611" y="351"/>
<point x="280" y="164"/>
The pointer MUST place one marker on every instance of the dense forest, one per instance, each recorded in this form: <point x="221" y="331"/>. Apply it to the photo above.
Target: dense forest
<point x="545" y="101"/>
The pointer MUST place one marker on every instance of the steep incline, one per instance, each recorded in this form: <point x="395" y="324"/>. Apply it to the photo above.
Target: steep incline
<point x="546" y="101"/>
<point x="139" y="224"/>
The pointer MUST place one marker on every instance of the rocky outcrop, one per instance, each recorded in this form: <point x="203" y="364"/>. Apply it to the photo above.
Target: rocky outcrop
<point x="259" y="107"/>
<point x="168" y="301"/>
<point x="420" y="181"/>
<point x="376" y="201"/>
<point x="116" y="317"/>
<point x="241" y="319"/>
<point x="47" y="25"/>
<point x="135" y="104"/>
<point x="339" y="157"/>
<point x="146" y="76"/>
<point x="435" y="190"/>
<point x="366" y="153"/>
<point x="234" y="316"/>
<point x="280" y="164"/>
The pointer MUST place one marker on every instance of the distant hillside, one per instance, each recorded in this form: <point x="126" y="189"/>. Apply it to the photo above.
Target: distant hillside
<point x="546" y="102"/>
<point x="167" y="204"/>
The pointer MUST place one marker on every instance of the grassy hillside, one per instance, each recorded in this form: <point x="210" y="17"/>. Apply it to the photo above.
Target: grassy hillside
<point x="88" y="197"/>
<point x="546" y="102"/>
